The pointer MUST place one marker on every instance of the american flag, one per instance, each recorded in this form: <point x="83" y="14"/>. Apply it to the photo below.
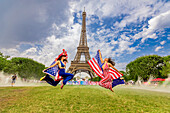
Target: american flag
<point x="53" y="71"/>
<point x="97" y="57"/>
<point x="95" y="64"/>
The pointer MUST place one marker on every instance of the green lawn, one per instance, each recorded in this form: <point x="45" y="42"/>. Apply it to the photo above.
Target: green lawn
<point x="48" y="99"/>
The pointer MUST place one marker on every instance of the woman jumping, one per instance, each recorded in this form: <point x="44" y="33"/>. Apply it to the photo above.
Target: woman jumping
<point x="58" y="67"/>
<point x="107" y="81"/>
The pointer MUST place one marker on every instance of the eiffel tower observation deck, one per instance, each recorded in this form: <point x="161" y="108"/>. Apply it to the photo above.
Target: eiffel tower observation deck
<point x="79" y="64"/>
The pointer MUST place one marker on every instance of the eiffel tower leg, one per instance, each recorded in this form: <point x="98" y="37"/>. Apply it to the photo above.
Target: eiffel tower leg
<point x="91" y="75"/>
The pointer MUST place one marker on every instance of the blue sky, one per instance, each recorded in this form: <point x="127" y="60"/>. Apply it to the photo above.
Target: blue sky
<point x="121" y="29"/>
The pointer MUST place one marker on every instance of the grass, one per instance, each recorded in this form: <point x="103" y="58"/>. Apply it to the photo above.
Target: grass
<point x="82" y="99"/>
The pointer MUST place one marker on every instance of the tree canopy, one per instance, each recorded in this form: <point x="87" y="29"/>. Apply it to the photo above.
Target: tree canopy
<point x="146" y="66"/>
<point x="24" y="67"/>
<point x="166" y="66"/>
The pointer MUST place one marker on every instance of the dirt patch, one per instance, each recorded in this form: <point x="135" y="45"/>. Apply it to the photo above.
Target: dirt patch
<point x="19" y="90"/>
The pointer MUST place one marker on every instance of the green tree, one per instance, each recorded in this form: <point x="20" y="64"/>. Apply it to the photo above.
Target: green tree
<point x="10" y="68"/>
<point x="24" y="67"/>
<point x="125" y="76"/>
<point x="96" y="78"/>
<point x="166" y="66"/>
<point x="6" y="56"/>
<point x="3" y="62"/>
<point x="145" y="67"/>
<point x="28" y="68"/>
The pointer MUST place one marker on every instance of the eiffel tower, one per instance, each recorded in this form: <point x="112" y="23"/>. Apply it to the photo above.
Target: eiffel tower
<point x="78" y="65"/>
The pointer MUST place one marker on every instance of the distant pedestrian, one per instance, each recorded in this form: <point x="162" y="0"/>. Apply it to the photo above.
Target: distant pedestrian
<point x="14" y="77"/>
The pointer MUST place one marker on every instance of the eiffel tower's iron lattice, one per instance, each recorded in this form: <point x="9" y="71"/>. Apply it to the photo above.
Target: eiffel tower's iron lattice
<point x="79" y="65"/>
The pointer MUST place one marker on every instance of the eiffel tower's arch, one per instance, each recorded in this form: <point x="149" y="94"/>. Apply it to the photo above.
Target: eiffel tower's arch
<point x="88" y="71"/>
<point x="77" y="65"/>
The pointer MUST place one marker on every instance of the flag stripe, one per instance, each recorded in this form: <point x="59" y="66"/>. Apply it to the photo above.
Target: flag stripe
<point x="117" y="73"/>
<point x="113" y="75"/>
<point x="97" y="66"/>
<point x="93" y="66"/>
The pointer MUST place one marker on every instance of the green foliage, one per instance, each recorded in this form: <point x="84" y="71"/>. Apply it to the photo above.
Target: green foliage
<point x="24" y="67"/>
<point x="145" y="67"/>
<point x="96" y="78"/>
<point x="126" y="78"/>
<point x="27" y="68"/>
<point x="166" y="66"/>
<point x="10" y="68"/>
<point x="2" y="63"/>
<point x="166" y="58"/>
<point x="1" y="55"/>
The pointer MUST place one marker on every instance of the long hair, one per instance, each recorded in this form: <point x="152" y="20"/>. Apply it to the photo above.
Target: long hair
<point x="61" y="57"/>
<point x="110" y="61"/>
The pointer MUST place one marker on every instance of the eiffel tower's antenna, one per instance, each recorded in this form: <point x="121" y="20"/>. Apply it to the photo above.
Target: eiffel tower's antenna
<point x="83" y="38"/>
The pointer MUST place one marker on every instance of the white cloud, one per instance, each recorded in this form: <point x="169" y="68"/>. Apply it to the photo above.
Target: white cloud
<point x="148" y="34"/>
<point x="160" y="22"/>
<point x="124" y="37"/>
<point x="121" y="66"/>
<point x="114" y="42"/>
<point x="131" y="50"/>
<point x="31" y="50"/>
<point x="124" y="46"/>
<point x="11" y="51"/>
<point x="163" y="42"/>
<point x="110" y="8"/>
<point x="138" y="14"/>
<point x="156" y="23"/>
<point x="142" y="11"/>
<point x="145" y="34"/>
<point x="158" y="48"/>
<point x="168" y="37"/>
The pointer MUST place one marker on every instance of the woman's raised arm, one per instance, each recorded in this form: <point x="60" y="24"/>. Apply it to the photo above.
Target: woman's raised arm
<point x="101" y="59"/>
<point x="110" y="65"/>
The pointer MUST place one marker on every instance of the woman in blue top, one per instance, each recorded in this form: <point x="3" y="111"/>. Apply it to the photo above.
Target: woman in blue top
<point x="61" y="65"/>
